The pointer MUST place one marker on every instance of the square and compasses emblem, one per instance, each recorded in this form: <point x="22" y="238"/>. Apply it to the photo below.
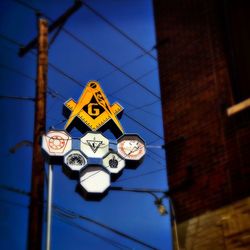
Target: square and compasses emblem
<point x="93" y="109"/>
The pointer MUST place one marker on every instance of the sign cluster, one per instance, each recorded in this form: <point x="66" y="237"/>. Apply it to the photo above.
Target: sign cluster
<point x="93" y="158"/>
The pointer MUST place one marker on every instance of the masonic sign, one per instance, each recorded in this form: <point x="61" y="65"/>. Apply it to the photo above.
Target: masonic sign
<point x="92" y="109"/>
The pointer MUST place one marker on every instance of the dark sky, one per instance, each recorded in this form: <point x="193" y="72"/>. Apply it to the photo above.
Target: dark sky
<point x="132" y="213"/>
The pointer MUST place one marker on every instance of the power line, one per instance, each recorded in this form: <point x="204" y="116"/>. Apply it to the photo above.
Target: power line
<point x="157" y="161"/>
<point x="141" y="175"/>
<point x="13" y="203"/>
<point x="58" y="70"/>
<point x="147" y="52"/>
<point x="60" y="28"/>
<point x="157" y="147"/>
<point x="22" y="98"/>
<point x="83" y="43"/>
<point x="106" y="227"/>
<point x="143" y="106"/>
<point x="65" y="75"/>
<point x="80" y="41"/>
<point x="132" y="105"/>
<point x="27" y="5"/>
<point x="130" y="83"/>
<point x="54" y="25"/>
<point x="65" y="219"/>
<point x="117" y="29"/>
<point x="4" y="66"/>
<point x="50" y="91"/>
<point x="61" y="72"/>
<point x="79" y="216"/>
<point x="53" y="93"/>
<point x="142" y="125"/>
<point x="121" y="66"/>
<point x="10" y="40"/>
<point x="108" y="240"/>
<point x="14" y="190"/>
<point x="138" y="190"/>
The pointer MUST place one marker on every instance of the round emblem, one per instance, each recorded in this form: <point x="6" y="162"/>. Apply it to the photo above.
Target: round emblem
<point x="113" y="163"/>
<point x="75" y="160"/>
<point x="131" y="147"/>
<point x="56" y="142"/>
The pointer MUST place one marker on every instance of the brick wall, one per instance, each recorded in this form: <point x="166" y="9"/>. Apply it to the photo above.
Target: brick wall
<point x="224" y="228"/>
<point x="208" y="152"/>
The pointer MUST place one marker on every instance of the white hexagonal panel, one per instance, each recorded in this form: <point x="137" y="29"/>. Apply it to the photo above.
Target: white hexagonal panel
<point x="131" y="147"/>
<point x="56" y="143"/>
<point x="94" y="145"/>
<point x="75" y="160"/>
<point x="113" y="162"/>
<point x="94" y="179"/>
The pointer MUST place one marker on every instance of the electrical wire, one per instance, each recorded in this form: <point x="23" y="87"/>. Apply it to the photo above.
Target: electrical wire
<point x="163" y="74"/>
<point x="130" y="83"/>
<point x="132" y="105"/>
<point x="126" y="115"/>
<point x="142" y="125"/>
<point x="159" y="162"/>
<point x="141" y="175"/>
<point x="145" y="105"/>
<point x="73" y="214"/>
<point x="61" y="72"/>
<point x="14" y="190"/>
<point x="10" y="40"/>
<point x="138" y="190"/>
<point x="13" y="203"/>
<point x="21" y="98"/>
<point x="64" y="219"/>
<point x="69" y="212"/>
<point x="50" y="91"/>
<point x="98" y="14"/>
<point x="80" y="41"/>
<point x="121" y="66"/>
<point x="150" y="147"/>
<point x="86" y="45"/>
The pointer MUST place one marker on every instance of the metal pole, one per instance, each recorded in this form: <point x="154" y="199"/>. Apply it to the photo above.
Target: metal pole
<point x="49" y="206"/>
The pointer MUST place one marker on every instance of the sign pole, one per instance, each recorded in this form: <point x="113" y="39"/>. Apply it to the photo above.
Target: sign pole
<point x="49" y="206"/>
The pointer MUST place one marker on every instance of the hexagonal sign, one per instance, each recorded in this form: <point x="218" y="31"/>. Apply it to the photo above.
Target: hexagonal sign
<point x="75" y="160"/>
<point x="94" y="179"/>
<point x="131" y="147"/>
<point x="56" y="143"/>
<point x="113" y="163"/>
<point x="94" y="144"/>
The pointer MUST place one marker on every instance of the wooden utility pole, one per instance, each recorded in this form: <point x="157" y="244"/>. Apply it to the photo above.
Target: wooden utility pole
<point x="37" y="182"/>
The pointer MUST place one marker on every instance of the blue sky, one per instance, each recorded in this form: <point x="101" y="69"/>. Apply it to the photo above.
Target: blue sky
<point x="131" y="213"/>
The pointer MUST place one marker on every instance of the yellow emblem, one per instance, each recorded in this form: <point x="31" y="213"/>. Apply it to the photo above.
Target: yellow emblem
<point x="93" y="108"/>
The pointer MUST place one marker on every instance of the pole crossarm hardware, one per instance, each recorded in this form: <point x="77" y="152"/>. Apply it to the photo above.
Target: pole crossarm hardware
<point x="56" y="24"/>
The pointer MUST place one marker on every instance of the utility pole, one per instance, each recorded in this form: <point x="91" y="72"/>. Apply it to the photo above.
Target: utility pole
<point x="35" y="224"/>
<point x="37" y="182"/>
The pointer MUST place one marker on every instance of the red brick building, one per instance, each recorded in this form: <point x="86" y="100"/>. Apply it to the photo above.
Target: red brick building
<point x="204" y="61"/>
